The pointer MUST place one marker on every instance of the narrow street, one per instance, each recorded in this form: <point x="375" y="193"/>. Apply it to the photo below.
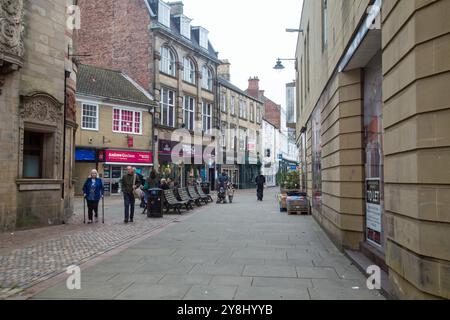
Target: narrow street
<point x="244" y="250"/>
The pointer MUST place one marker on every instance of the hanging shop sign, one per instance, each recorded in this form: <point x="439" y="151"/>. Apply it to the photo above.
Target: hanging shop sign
<point x="373" y="211"/>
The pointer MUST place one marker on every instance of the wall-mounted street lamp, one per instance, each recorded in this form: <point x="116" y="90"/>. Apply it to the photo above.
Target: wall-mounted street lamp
<point x="294" y="30"/>
<point x="279" y="65"/>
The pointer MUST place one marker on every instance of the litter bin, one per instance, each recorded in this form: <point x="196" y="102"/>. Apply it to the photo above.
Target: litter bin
<point x="155" y="203"/>
<point x="206" y="187"/>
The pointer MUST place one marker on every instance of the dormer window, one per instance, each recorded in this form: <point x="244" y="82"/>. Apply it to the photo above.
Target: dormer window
<point x="203" y="38"/>
<point x="164" y="14"/>
<point x="185" y="26"/>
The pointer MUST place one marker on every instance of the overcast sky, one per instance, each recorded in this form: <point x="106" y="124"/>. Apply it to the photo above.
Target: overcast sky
<point x="251" y="35"/>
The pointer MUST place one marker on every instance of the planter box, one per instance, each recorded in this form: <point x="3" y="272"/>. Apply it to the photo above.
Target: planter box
<point x="286" y="191"/>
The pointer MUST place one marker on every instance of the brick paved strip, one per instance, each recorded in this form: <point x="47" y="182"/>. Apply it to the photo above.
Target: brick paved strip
<point x="24" y="267"/>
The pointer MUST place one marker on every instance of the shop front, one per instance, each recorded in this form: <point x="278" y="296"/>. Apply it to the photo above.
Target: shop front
<point x="193" y="167"/>
<point x="249" y="171"/>
<point x="115" y="166"/>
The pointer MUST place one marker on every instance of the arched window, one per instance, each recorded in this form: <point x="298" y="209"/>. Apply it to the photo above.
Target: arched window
<point x="207" y="77"/>
<point x="189" y="70"/>
<point x="168" y="61"/>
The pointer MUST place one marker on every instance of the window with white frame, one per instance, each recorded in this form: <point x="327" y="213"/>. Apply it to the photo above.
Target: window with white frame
<point x="207" y="78"/>
<point x="203" y="41"/>
<point x="206" y="116"/>
<point x="164" y="14"/>
<point x="243" y="109"/>
<point x="223" y="135"/>
<point x="234" y="137"/>
<point x="242" y="138"/>
<point x="168" y="61"/>
<point x="252" y="112"/>
<point x="258" y="114"/>
<point x="189" y="70"/>
<point x="189" y="113"/>
<point x="89" y="116"/>
<point x="127" y="121"/>
<point x="233" y="105"/>
<point x="167" y="107"/>
<point x="224" y="101"/>
<point x="185" y="26"/>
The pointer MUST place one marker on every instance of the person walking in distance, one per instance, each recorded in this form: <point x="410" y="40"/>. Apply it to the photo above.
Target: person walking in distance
<point x="93" y="192"/>
<point x="260" y="182"/>
<point x="130" y="182"/>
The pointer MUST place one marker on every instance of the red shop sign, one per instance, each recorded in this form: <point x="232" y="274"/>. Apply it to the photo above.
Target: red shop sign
<point x="128" y="157"/>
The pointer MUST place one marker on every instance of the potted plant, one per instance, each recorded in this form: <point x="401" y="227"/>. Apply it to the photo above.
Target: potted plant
<point x="291" y="182"/>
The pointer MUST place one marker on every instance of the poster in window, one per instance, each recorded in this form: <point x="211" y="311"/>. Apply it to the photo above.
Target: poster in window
<point x="373" y="211"/>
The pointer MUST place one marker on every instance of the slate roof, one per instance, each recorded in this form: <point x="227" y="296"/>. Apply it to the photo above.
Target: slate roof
<point x="98" y="82"/>
<point x="174" y="31"/>
<point x="228" y="84"/>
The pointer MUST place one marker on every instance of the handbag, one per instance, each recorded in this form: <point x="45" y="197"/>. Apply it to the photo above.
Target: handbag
<point x="137" y="192"/>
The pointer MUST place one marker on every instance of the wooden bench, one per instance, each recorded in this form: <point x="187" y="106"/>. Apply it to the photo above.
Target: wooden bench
<point x="171" y="202"/>
<point x="184" y="196"/>
<point x="204" y="195"/>
<point x="195" y="194"/>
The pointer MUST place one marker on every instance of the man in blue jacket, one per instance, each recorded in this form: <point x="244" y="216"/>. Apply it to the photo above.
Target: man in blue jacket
<point x="93" y="192"/>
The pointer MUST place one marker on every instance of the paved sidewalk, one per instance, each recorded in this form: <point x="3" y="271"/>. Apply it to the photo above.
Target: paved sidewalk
<point x="31" y="256"/>
<point x="245" y="250"/>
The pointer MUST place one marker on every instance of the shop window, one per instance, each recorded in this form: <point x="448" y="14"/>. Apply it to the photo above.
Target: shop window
<point x="374" y="132"/>
<point x="317" y="160"/>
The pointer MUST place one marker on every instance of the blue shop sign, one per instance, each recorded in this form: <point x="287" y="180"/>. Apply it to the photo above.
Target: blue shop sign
<point x="84" y="155"/>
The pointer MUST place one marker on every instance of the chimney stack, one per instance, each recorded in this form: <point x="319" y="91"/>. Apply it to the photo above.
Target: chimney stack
<point x="253" y="87"/>
<point x="224" y="69"/>
<point x="176" y="8"/>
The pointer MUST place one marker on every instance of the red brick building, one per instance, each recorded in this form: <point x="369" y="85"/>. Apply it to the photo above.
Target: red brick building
<point x="272" y="111"/>
<point x="116" y="35"/>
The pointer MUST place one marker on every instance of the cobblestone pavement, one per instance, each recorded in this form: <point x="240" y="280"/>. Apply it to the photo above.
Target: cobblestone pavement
<point x="31" y="256"/>
<point x="247" y="250"/>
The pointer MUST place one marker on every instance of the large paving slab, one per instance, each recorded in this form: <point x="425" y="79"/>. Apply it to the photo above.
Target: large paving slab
<point x="245" y="250"/>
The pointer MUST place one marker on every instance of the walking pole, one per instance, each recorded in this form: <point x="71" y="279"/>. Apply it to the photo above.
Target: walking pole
<point x="84" y="210"/>
<point x="103" y="210"/>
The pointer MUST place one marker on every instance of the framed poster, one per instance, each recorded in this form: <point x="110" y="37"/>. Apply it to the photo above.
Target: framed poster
<point x="373" y="211"/>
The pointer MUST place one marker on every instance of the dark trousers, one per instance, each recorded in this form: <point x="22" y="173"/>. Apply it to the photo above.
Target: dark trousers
<point x="92" y="207"/>
<point x="129" y="201"/>
<point x="260" y="192"/>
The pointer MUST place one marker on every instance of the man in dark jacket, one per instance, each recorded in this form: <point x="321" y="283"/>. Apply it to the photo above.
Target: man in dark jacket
<point x="130" y="182"/>
<point x="260" y="182"/>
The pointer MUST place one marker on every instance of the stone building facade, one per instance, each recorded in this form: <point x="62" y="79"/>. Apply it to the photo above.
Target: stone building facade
<point x="37" y="104"/>
<point x="241" y="131"/>
<point x="372" y="122"/>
